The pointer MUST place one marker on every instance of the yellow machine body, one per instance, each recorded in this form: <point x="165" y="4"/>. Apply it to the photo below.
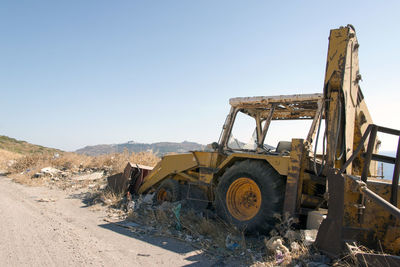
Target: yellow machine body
<point x="346" y="117"/>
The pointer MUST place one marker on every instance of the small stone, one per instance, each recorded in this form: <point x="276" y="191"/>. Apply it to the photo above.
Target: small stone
<point x="102" y="187"/>
<point x="148" y="199"/>
<point x="295" y="246"/>
<point x="38" y="175"/>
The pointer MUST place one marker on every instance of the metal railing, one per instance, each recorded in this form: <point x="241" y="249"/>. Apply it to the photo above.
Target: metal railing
<point x="372" y="131"/>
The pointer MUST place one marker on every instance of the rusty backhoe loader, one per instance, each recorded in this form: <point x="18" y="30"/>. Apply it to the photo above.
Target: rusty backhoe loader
<point x="247" y="183"/>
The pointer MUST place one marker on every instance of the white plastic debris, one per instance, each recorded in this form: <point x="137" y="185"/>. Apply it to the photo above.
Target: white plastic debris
<point x="275" y="243"/>
<point x="50" y="171"/>
<point x="315" y="218"/>
<point x="309" y="236"/>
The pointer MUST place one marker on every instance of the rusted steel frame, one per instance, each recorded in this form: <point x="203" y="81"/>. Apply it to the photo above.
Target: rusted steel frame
<point x="368" y="156"/>
<point x="265" y="100"/>
<point x="388" y="206"/>
<point x="375" y="197"/>
<point x="388" y="130"/>
<point x="317" y="117"/>
<point x="383" y="158"/>
<point x="282" y="114"/>
<point x="329" y="237"/>
<point x="228" y="127"/>
<point x="266" y="125"/>
<point x="395" y="179"/>
<point x="258" y="129"/>
<point x="188" y="177"/>
<point x="371" y="259"/>
<point x="357" y="151"/>
<point x="294" y="179"/>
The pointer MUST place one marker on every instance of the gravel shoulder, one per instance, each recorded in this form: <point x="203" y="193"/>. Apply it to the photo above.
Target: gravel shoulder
<point x="50" y="227"/>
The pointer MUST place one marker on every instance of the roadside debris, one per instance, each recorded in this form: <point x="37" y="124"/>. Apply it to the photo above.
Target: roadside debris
<point x="194" y="224"/>
<point x="232" y="242"/>
<point x="309" y="236"/>
<point x="50" y="171"/>
<point x="46" y="200"/>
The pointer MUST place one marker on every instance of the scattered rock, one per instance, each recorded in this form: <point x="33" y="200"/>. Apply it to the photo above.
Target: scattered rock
<point x="38" y="175"/>
<point x="103" y="187"/>
<point x="3" y="173"/>
<point x="50" y="171"/>
<point x="188" y="238"/>
<point x="46" y="200"/>
<point x="295" y="246"/>
<point x="131" y="205"/>
<point x="10" y="163"/>
<point x="148" y="199"/>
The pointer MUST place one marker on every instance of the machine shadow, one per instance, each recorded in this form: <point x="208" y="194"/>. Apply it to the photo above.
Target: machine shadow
<point x="168" y="243"/>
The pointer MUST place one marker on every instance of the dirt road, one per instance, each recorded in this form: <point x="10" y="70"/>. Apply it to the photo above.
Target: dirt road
<point x="49" y="227"/>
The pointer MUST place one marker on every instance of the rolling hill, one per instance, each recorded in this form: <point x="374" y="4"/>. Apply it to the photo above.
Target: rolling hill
<point x="160" y="148"/>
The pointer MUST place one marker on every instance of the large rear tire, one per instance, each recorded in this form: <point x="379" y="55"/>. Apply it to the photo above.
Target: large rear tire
<point x="249" y="194"/>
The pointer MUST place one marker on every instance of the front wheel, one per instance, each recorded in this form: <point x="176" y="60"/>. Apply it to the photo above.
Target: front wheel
<point x="249" y="194"/>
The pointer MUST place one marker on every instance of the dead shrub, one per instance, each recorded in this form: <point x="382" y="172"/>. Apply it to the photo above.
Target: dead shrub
<point x="75" y="162"/>
<point x="29" y="162"/>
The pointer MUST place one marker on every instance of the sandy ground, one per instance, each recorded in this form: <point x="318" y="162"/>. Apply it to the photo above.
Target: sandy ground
<point x="48" y="227"/>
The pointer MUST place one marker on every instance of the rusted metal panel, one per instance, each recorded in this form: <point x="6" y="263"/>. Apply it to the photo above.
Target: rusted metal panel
<point x="262" y="101"/>
<point x="373" y="259"/>
<point x="294" y="181"/>
<point x="279" y="163"/>
<point x="169" y="165"/>
<point x="117" y="183"/>
<point x="284" y="107"/>
<point x="130" y="179"/>
<point x="329" y="238"/>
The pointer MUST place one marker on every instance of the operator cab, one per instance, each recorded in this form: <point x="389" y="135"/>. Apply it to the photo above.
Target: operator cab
<point x="261" y="124"/>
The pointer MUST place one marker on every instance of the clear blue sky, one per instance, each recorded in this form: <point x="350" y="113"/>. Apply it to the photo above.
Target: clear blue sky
<point x="76" y="73"/>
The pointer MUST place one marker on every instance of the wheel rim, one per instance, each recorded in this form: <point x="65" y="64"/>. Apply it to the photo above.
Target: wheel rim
<point x="163" y="195"/>
<point x="243" y="199"/>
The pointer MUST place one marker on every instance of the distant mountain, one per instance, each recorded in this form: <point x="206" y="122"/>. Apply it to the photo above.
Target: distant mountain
<point x="159" y="149"/>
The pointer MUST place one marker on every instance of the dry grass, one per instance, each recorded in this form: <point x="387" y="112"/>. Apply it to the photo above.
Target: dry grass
<point x="6" y="156"/>
<point x="22" y="147"/>
<point x="74" y="162"/>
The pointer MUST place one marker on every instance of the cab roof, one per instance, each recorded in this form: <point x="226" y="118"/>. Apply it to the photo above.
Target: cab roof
<point x="286" y="107"/>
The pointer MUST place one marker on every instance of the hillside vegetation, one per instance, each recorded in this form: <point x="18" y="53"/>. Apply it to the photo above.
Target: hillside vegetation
<point x="12" y="149"/>
<point x="22" y="147"/>
<point x="20" y="156"/>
